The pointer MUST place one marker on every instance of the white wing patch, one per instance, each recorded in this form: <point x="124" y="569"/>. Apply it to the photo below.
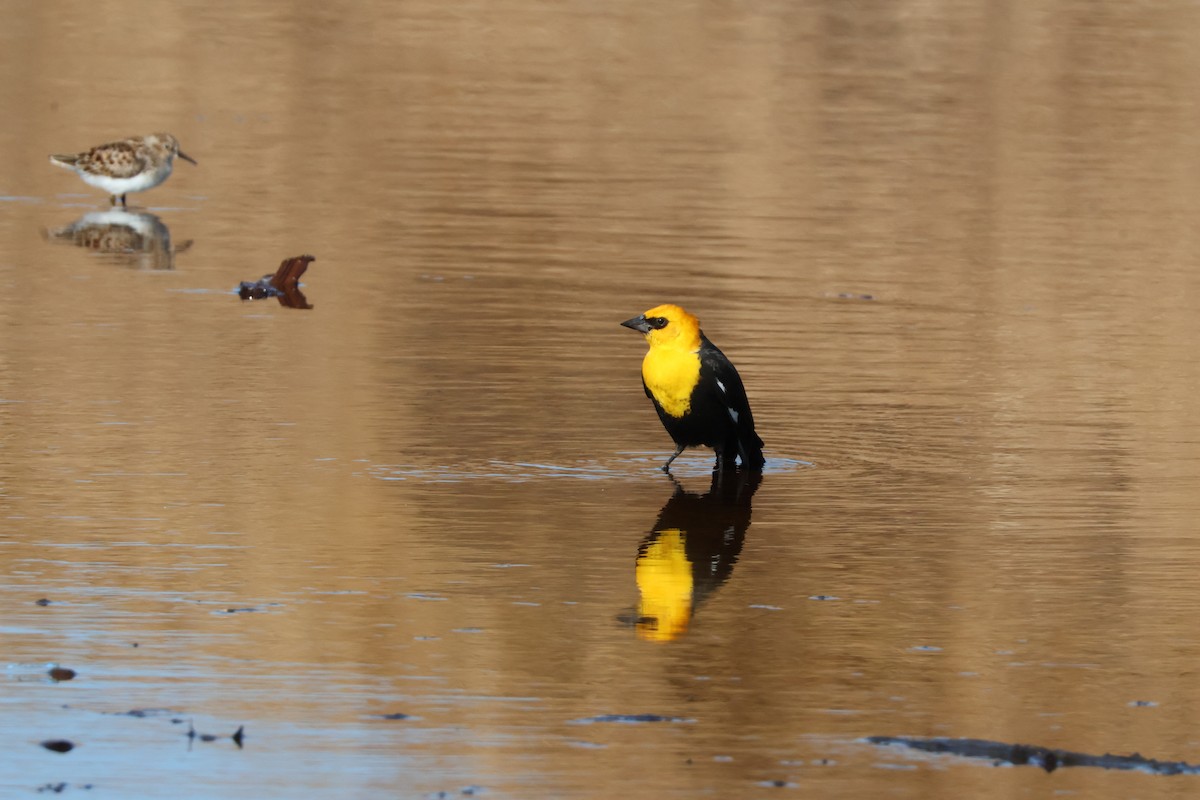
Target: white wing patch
<point x="733" y="414"/>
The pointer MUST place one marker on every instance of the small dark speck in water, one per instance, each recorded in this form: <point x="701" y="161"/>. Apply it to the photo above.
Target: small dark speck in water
<point x="925" y="648"/>
<point x="238" y="736"/>
<point x="142" y="713"/>
<point x="59" y="745"/>
<point x="466" y="791"/>
<point x="42" y="602"/>
<point x="1144" y="704"/>
<point x="823" y="597"/>
<point x="59" y="788"/>
<point x="628" y="719"/>
<point x="397" y="715"/>
<point x="238" y="611"/>
<point x="777" y="784"/>
<point x="58" y="674"/>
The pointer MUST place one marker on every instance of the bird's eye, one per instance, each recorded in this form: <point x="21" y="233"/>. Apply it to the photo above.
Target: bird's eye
<point x="658" y="323"/>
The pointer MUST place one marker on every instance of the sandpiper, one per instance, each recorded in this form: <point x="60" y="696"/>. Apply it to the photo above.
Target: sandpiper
<point x="130" y="165"/>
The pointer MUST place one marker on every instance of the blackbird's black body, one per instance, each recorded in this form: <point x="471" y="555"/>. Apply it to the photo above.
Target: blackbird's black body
<point x="720" y="415"/>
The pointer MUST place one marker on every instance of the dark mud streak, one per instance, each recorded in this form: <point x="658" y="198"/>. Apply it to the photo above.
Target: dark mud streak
<point x="141" y="713"/>
<point x="1047" y="758"/>
<point x="60" y="787"/>
<point x="628" y="719"/>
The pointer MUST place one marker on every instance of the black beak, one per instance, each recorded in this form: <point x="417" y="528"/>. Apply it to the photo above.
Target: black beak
<point x="638" y="323"/>
<point x="185" y="157"/>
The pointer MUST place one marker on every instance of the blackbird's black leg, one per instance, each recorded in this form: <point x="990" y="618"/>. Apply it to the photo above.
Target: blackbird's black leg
<point x="667" y="466"/>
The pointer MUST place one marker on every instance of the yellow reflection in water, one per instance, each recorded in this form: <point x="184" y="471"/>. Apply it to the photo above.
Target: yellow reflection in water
<point x="664" y="579"/>
<point x="690" y="552"/>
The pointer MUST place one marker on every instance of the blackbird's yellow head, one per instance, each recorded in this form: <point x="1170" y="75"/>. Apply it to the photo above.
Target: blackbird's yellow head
<point x="668" y="326"/>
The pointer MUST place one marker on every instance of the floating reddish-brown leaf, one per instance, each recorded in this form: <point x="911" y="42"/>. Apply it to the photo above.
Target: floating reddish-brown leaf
<point x="284" y="285"/>
<point x="290" y="270"/>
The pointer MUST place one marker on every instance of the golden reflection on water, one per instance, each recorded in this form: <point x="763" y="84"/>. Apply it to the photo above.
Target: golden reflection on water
<point x="952" y="244"/>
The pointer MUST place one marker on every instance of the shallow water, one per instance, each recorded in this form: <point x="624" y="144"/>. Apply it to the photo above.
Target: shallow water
<point x="949" y="247"/>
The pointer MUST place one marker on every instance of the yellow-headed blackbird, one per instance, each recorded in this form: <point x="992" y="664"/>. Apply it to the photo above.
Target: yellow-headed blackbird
<point x="697" y="392"/>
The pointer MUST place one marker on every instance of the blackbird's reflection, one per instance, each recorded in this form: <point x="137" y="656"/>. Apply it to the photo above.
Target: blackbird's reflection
<point x="136" y="239"/>
<point x="690" y="552"/>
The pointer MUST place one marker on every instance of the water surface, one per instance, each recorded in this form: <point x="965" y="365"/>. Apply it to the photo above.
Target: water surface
<point x="415" y="539"/>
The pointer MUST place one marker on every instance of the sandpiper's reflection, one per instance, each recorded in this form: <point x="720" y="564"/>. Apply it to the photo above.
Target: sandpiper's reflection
<point x="690" y="552"/>
<point x="137" y="239"/>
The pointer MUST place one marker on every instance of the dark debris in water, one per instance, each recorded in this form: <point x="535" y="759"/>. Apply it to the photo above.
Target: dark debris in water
<point x="59" y="745"/>
<point x="1047" y="758"/>
<point x="396" y="715"/>
<point x="141" y="713"/>
<point x="59" y="674"/>
<point x="628" y="719"/>
<point x="59" y="788"/>
<point x="42" y="602"/>
<point x="238" y="737"/>
<point x="466" y="791"/>
<point x="284" y="285"/>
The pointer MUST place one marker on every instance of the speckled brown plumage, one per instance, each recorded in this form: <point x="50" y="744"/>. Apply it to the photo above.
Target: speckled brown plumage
<point x="130" y="165"/>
